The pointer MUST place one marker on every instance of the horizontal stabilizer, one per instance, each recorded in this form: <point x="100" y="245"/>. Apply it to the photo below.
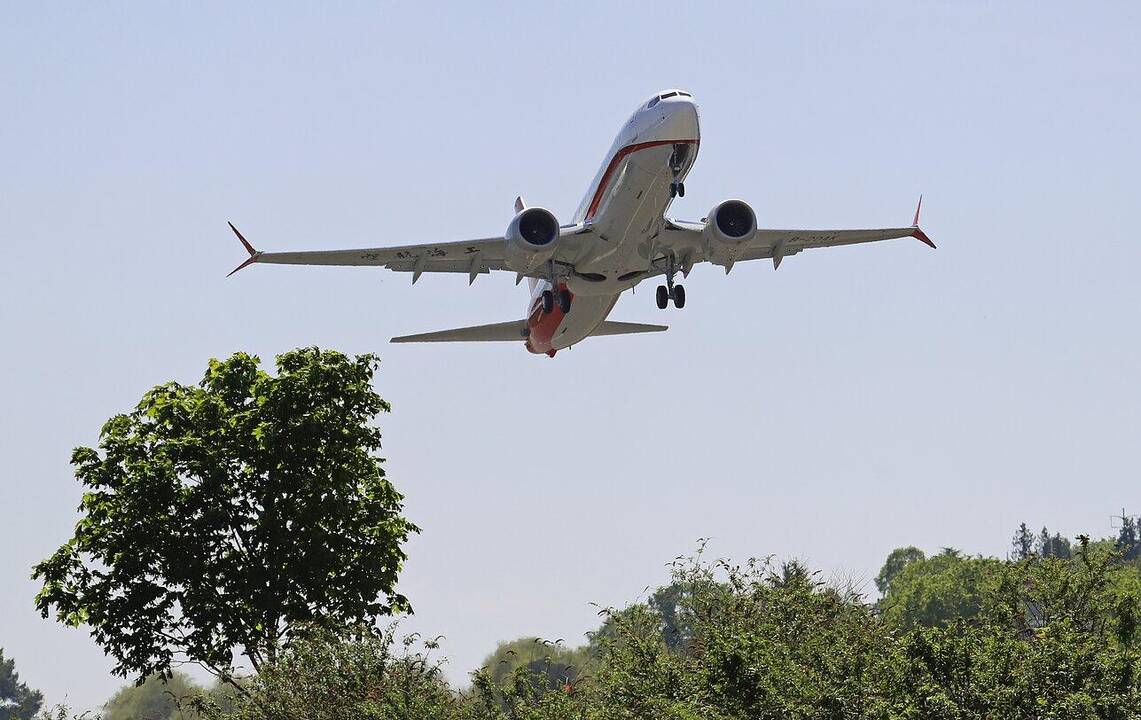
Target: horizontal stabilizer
<point x="497" y="332"/>
<point x="514" y="331"/>
<point x="625" y="328"/>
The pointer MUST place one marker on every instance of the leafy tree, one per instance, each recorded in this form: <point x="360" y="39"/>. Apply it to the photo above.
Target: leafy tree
<point x="158" y="698"/>
<point x="896" y="561"/>
<point x="362" y="674"/>
<point x="1129" y="538"/>
<point x="1054" y="546"/>
<point x="553" y="665"/>
<point x="1022" y="545"/>
<point x="222" y="515"/>
<point x="17" y="700"/>
<point x="937" y="590"/>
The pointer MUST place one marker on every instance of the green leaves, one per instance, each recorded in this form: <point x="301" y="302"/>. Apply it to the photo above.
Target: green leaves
<point x="17" y="700"/>
<point x="219" y="516"/>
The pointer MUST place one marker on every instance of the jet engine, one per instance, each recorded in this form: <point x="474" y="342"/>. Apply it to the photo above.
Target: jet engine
<point x="730" y="222"/>
<point x="531" y="239"/>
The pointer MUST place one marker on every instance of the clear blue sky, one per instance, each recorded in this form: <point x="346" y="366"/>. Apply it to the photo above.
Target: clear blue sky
<point x="858" y="399"/>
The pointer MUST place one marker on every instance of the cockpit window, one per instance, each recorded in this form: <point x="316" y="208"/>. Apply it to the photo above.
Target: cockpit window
<point x="684" y="94"/>
<point x="653" y="102"/>
<point x="668" y="95"/>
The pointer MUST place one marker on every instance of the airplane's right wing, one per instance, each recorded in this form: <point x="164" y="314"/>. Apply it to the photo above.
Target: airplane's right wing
<point x="474" y="257"/>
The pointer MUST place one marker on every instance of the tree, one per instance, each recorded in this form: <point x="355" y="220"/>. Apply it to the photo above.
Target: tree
<point x="896" y="561"/>
<point x="938" y="590"/>
<point x="1129" y="538"/>
<point x="1022" y="545"/>
<point x="222" y="515"/>
<point x="357" y="673"/>
<point x="1053" y="546"/>
<point x="17" y="700"/>
<point x="158" y="698"/>
<point x="552" y="664"/>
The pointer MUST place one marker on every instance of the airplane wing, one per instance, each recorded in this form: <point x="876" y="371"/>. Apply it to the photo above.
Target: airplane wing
<point x="686" y="240"/>
<point x="474" y="257"/>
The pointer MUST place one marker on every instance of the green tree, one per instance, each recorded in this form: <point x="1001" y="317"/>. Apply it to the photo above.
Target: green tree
<point x="1129" y="538"/>
<point x="1022" y="546"/>
<point x="937" y="590"/>
<point x="158" y="698"/>
<point x="361" y="674"/>
<point x="896" y="561"/>
<point x="17" y="700"/>
<point x="222" y="515"/>
<point x="1054" y="546"/>
<point x="553" y="664"/>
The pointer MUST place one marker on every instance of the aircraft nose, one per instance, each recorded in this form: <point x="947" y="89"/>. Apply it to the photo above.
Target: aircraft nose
<point x="681" y="122"/>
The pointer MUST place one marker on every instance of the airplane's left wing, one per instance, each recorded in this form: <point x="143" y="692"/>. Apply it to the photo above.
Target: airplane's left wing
<point x="685" y="240"/>
<point x="474" y="257"/>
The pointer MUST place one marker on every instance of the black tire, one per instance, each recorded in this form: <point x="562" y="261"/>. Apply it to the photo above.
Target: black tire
<point x="673" y="189"/>
<point x="663" y="297"/>
<point x="548" y="301"/>
<point x="681" y="189"/>
<point x="564" y="300"/>
<point x="679" y="297"/>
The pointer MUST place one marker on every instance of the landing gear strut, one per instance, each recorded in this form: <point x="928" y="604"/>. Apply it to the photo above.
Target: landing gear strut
<point x="670" y="291"/>
<point x="677" y="158"/>
<point x="560" y="295"/>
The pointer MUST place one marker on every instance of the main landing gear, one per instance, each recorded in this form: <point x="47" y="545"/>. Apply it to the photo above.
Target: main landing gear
<point x="670" y="291"/>
<point x="677" y="189"/>
<point x="562" y="297"/>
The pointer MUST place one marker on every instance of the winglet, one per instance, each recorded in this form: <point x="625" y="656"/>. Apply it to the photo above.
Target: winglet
<point x="919" y="234"/>
<point x="254" y="254"/>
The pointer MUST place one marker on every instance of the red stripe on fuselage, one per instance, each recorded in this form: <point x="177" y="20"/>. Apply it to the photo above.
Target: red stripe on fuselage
<point x="618" y="157"/>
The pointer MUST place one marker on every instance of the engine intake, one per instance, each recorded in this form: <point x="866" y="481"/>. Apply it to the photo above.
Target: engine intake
<point x="731" y="222"/>
<point x="531" y="239"/>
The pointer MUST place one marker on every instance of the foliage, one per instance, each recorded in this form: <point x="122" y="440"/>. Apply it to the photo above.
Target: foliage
<point x="17" y="700"/>
<point x="158" y="698"/>
<point x="222" y="515"/>
<point x="934" y="591"/>
<point x="1022" y="545"/>
<point x="1045" y="638"/>
<point x="553" y="665"/>
<point x="363" y="675"/>
<point x="1051" y="639"/>
<point x="896" y="561"/>
<point x="1054" y="545"/>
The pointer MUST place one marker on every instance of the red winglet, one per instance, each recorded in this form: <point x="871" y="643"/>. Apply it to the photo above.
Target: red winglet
<point x="249" y="248"/>
<point x="919" y="234"/>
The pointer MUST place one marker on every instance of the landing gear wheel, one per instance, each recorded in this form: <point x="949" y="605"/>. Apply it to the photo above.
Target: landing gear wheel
<point x="673" y="189"/>
<point x="681" y="189"/>
<point x="548" y="301"/>
<point x="679" y="297"/>
<point x="663" y="297"/>
<point x="564" y="300"/>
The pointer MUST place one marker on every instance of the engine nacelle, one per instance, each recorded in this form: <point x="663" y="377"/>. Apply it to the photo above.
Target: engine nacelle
<point x="531" y="239"/>
<point x="729" y="223"/>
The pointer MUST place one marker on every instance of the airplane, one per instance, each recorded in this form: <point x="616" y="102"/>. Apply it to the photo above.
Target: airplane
<point x="619" y="236"/>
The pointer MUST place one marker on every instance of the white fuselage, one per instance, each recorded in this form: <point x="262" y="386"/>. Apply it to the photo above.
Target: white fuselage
<point x="624" y="209"/>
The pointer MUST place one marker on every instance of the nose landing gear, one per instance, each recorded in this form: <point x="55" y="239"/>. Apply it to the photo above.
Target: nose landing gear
<point x="677" y="160"/>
